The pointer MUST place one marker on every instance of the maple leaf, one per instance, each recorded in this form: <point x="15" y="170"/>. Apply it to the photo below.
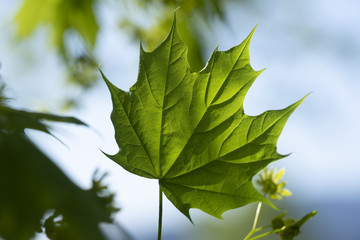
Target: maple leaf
<point x="33" y="184"/>
<point x="189" y="130"/>
<point x="15" y="120"/>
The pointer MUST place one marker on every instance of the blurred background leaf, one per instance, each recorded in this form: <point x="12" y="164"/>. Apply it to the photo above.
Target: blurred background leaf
<point x="288" y="229"/>
<point x="65" y="19"/>
<point x="74" y="26"/>
<point x="32" y="184"/>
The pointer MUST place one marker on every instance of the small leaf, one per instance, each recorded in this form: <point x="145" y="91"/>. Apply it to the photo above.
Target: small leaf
<point x="285" y="192"/>
<point x="189" y="130"/>
<point x="289" y="227"/>
<point x="279" y="175"/>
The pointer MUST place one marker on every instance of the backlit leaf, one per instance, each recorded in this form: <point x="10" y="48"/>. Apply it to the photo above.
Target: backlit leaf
<point x="189" y="130"/>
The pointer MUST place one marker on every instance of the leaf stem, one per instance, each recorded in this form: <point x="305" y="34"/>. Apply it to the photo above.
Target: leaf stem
<point x="257" y="215"/>
<point x="267" y="233"/>
<point x="160" y="213"/>
<point x="254" y="229"/>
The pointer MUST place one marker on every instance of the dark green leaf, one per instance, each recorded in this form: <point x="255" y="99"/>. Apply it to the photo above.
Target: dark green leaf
<point x="13" y="120"/>
<point x="31" y="184"/>
<point x="289" y="227"/>
<point x="58" y="227"/>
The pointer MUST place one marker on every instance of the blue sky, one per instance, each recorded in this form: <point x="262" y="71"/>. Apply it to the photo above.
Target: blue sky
<point x="306" y="46"/>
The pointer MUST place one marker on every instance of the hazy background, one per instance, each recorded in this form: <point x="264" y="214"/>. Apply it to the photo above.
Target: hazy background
<point x="306" y="46"/>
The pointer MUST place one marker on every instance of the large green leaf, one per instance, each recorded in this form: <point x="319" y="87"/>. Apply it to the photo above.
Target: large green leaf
<point x="189" y="130"/>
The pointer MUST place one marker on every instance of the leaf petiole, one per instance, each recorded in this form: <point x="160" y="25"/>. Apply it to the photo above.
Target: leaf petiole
<point x="258" y="209"/>
<point x="160" y="213"/>
<point x="254" y="229"/>
<point x="267" y="233"/>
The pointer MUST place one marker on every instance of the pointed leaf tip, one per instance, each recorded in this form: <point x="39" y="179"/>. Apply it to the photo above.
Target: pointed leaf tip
<point x="174" y="22"/>
<point x="252" y="32"/>
<point x="175" y="11"/>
